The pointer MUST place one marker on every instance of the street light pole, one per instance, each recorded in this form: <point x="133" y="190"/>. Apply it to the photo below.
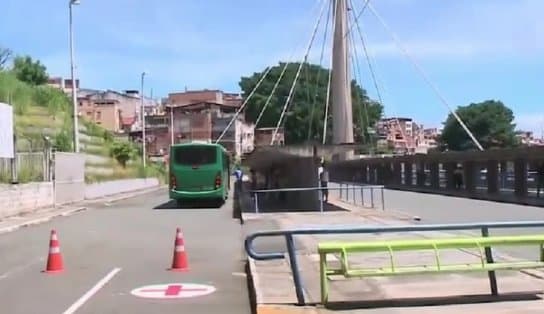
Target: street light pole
<point x="171" y="125"/>
<point x="74" y="85"/>
<point x="143" y="120"/>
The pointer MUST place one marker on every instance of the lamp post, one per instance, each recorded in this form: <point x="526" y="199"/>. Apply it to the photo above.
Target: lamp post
<point x="143" y="119"/>
<point x="171" y="124"/>
<point x="74" y="85"/>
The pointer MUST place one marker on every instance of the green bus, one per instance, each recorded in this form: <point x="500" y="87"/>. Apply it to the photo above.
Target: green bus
<point x="199" y="171"/>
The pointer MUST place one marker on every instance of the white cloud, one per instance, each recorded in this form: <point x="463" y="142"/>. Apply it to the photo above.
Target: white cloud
<point x="460" y="29"/>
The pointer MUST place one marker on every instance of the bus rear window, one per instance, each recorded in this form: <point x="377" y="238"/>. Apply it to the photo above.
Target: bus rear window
<point x="195" y="155"/>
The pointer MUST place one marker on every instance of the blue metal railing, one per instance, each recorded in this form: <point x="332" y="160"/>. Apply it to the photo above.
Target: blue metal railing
<point x="341" y="188"/>
<point x="346" y="186"/>
<point x="289" y="234"/>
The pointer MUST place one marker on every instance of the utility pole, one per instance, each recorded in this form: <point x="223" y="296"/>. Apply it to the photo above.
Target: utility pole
<point x="342" y="121"/>
<point x="143" y="121"/>
<point x="171" y="125"/>
<point x="74" y="85"/>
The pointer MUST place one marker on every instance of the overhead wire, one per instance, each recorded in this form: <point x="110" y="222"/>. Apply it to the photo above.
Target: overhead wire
<point x="298" y="73"/>
<point x="424" y="76"/>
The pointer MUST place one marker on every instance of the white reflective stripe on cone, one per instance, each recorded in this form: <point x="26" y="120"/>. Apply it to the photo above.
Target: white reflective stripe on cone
<point x="54" y="237"/>
<point x="54" y="250"/>
<point x="180" y="248"/>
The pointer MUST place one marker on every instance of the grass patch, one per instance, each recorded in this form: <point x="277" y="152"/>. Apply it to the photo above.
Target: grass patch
<point x="100" y="151"/>
<point x="97" y="141"/>
<point x="130" y="172"/>
<point x="109" y="164"/>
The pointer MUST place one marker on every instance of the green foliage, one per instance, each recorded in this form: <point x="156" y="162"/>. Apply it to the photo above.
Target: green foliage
<point x="15" y="92"/>
<point x="304" y="119"/>
<point x="122" y="152"/>
<point x="490" y="121"/>
<point x="29" y="71"/>
<point x="63" y="141"/>
<point x="108" y="136"/>
<point x="53" y="99"/>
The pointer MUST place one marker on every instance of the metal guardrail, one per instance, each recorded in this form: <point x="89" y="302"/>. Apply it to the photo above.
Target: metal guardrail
<point x="289" y="234"/>
<point x="347" y="186"/>
<point x="319" y="188"/>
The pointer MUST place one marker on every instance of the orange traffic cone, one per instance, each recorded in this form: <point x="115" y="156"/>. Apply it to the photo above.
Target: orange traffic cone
<point x="179" y="262"/>
<point x="54" y="259"/>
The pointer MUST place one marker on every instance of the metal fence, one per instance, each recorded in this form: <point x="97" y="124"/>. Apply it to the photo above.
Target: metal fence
<point x="361" y="194"/>
<point x="289" y="239"/>
<point x="257" y="194"/>
<point x="29" y="167"/>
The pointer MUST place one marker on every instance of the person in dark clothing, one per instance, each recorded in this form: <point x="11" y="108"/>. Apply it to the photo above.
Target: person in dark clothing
<point x="324" y="179"/>
<point x="458" y="177"/>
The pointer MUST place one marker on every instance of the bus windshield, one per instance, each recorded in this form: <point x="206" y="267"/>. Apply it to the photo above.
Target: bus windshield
<point x="195" y="155"/>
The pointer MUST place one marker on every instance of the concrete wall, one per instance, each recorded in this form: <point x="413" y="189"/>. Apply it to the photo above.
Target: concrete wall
<point x="69" y="177"/>
<point x="20" y="198"/>
<point x="97" y="190"/>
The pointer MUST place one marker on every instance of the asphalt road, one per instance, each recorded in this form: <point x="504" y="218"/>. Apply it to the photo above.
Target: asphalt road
<point x="113" y="249"/>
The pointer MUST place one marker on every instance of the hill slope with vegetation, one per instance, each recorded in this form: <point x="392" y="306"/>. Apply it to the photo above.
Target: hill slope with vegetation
<point x="42" y="112"/>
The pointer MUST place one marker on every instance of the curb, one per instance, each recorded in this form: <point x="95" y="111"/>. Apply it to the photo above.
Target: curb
<point x="284" y="309"/>
<point x="123" y="195"/>
<point x="77" y="209"/>
<point x="42" y="219"/>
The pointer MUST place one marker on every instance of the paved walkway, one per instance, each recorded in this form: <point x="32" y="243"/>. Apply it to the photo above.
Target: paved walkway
<point x="274" y="281"/>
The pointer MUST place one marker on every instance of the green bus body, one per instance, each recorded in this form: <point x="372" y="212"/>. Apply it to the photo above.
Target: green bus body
<point x="199" y="172"/>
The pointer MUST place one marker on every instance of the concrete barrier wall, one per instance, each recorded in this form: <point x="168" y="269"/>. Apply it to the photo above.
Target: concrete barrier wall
<point x="20" y="198"/>
<point x="97" y="190"/>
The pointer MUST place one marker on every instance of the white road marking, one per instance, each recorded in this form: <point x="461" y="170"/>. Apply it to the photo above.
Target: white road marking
<point x="72" y="309"/>
<point x="20" y="268"/>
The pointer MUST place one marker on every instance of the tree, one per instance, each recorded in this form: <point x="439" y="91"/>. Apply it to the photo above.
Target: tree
<point x="491" y="122"/>
<point x="304" y="117"/>
<point x="30" y="71"/>
<point x="122" y="152"/>
<point x="5" y="56"/>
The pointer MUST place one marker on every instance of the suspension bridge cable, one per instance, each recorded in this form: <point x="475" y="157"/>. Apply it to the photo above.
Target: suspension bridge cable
<point x="328" y="99"/>
<point x="325" y="33"/>
<point x="422" y="73"/>
<point x="265" y="74"/>
<point x="273" y="91"/>
<point x="298" y="73"/>
<point x="356" y="17"/>
<point x="370" y="67"/>
<point x="358" y="78"/>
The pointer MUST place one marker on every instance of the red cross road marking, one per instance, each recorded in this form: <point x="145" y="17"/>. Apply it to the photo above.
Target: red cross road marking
<point x="173" y="290"/>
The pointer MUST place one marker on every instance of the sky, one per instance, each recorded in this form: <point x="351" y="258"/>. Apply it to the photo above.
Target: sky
<point x="469" y="50"/>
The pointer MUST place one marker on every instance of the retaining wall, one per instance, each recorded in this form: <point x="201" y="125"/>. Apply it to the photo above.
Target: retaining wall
<point x="101" y="189"/>
<point x="19" y="198"/>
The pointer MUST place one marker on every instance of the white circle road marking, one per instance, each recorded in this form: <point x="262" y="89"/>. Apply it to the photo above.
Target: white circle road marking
<point x="173" y="291"/>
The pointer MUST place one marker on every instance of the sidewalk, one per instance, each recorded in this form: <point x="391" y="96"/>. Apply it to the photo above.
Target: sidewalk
<point x="42" y="215"/>
<point x="274" y="284"/>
